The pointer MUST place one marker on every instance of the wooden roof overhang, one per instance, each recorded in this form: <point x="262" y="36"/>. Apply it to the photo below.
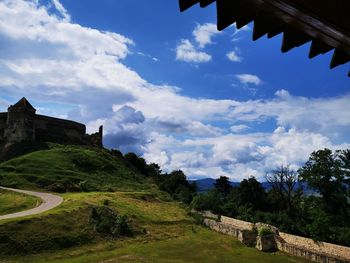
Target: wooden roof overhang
<point x="324" y="22"/>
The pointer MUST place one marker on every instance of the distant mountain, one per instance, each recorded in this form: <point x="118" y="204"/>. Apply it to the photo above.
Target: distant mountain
<point x="206" y="184"/>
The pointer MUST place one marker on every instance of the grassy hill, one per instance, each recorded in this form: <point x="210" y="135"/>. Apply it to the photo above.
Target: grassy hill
<point x="93" y="179"/>
<point x="71" y="169"/>
<point x="163" y="232"/>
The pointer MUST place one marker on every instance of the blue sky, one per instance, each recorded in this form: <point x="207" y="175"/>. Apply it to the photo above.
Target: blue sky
<point x="170" y="87"/>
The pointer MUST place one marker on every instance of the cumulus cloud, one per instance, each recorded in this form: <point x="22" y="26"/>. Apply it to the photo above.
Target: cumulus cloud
<point x="80" y="72"/>
<point x="185" y="51"/>
<point x="61" y="9"/>
<point x="238" y="156"/>
<point x="249" y="79"/>
<point x="329" y="116"/>
<point x="234" y="55"/>
<point x="204" y="34"/>
<point x="239" y="128"/>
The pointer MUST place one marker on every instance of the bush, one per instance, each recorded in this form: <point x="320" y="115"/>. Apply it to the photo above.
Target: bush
<point x="107" y="222"/>
<point x="265" y="231"/>
<point x="56" y="187"/>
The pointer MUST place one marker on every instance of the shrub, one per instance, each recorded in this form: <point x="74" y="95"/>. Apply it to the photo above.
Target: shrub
<point x="265" y="231"/>
<point x="107" y="222"/>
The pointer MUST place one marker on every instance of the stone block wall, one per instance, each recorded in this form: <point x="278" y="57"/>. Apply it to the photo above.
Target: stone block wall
<point x="238" y="223"/>
<point x="321" y="252"/>
<point x="309" y="254"/>
<point x="292" y="242"/>
<point x="247" y="237"/>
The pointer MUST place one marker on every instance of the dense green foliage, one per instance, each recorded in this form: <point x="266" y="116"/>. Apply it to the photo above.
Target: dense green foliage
<point x="108" y="222"/>
<point x="323" y="215"/>
<point x="174" y="183"/>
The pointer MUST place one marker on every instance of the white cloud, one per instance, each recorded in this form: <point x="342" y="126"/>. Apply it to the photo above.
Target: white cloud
<point x="249" y="79"/>
<point x="239" y="156"/>
<point x="61" y="9"/>
<point x="328" y="116"/>
<point x="239" y="128"/>
<point x="51" y="59"/>
<point x="234" y="55"/>
<point x="204" y="33"/>
<point x="185" y="51"/>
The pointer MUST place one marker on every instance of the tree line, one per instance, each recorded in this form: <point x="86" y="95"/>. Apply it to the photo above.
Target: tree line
<point x="322" y="214"/>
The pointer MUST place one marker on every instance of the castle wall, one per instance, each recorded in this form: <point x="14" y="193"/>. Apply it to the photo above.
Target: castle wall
<point x="3" y="119"/>
<point x="21" y="123"/>
<point x="58" y="130"/>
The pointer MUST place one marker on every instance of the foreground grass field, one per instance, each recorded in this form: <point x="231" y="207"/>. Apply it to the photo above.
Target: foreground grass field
<point x="164" y="233"/>
<point x="11" y="202"/>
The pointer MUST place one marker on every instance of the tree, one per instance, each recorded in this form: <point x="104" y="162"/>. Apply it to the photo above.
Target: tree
<point x="222" y="185"/>
<point x="283" y="182"/>
<point x="178" y="187"/>
<point x="251" y="193"/>
<point x="328" y="173"/>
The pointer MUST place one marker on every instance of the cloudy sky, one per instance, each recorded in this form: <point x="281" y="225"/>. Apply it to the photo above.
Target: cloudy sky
<point x="170" y="87"/>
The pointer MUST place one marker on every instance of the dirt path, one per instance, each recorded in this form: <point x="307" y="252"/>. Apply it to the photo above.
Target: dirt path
<point x="49" y="201"/>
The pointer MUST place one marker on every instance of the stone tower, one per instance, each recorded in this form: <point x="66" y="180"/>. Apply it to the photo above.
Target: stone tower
<point x="20" y="125"/>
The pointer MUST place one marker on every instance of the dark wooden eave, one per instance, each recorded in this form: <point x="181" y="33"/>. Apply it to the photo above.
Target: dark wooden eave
<point x="324" y="22"/>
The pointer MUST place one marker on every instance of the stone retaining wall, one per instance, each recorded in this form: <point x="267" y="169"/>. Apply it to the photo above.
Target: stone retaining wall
<point x="293" y="242"/>
<point x="247" y="237"/>
<point x="309" y="254"/>
<point x="235" y="222"/>
<point x="321" y="252"/>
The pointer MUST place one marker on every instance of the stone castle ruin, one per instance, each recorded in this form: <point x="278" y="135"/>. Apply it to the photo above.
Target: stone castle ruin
<point x="21" y="123"/>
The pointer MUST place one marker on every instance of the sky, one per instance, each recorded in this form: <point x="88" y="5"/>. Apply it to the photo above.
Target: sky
<point x="170" y="87"/>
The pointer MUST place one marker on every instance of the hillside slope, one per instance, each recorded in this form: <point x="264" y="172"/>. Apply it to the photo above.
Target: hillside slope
<point x="71" y="169"/>
<point x="163" y="232"/>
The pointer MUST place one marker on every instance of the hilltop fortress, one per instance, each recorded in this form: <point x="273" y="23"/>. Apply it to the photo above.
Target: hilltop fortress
<point x="21" y="123"/>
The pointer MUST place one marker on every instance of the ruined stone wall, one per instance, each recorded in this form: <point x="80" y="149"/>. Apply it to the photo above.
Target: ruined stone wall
<point x="316" y="256"/>
<point x="235" y="222"/>
<point x="321" y="252"/>
<point x="247" y="237"/>
<point x="316" y="246"/>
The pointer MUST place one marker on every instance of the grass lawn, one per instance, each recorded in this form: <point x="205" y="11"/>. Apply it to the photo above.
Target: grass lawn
<point x="165" y="234"/>
<point x="11" y="202"/>
<point x="196" y="245"/>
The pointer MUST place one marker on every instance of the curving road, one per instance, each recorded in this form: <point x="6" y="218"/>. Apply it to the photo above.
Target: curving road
<point x="49" y="201"/>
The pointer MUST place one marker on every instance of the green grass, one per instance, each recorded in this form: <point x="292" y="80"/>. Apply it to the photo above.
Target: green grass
<point x="73" y="168"/>
<point x="11" y="202"/>
<point x="165" y="233"/>
<point x="163" y="230"/>
<point x="196" y="245"/>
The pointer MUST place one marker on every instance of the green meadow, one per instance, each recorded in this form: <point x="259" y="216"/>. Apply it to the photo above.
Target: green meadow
<point x="162" y="229"/>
